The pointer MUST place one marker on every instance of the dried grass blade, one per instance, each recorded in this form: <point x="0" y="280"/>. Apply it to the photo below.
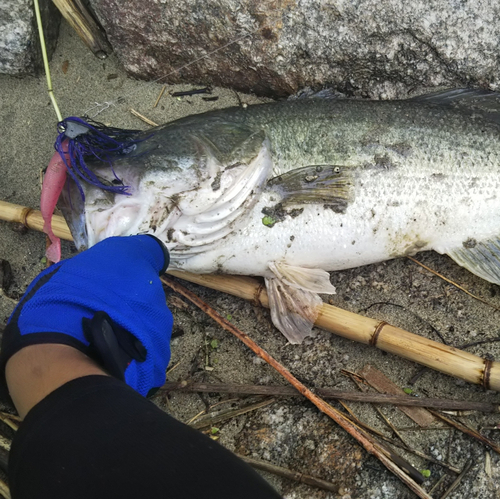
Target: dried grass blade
<point x="451" y="282"/>
<point x="468" y="431"/>
<point x="459" y="478"/>
<point x="232" y="413"/>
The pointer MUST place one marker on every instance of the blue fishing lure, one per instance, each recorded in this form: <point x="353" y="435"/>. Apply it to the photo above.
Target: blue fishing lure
<point x="93" y="141"/>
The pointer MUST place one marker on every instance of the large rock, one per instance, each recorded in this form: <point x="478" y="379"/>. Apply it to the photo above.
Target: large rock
<point x="20" y="52"/>
<point x="378" y="48"/>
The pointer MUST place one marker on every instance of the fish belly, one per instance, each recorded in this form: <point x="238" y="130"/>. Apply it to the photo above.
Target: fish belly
<point x="393" y="214"/>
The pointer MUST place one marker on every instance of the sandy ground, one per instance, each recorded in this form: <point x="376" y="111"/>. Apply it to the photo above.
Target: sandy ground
<point x="290" y="433"/>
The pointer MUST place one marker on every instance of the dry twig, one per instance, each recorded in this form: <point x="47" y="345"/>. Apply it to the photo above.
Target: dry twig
<point x="469" y="431"/>
<point x="8" y="420"/>
<point x="330" y="393"/>
<point x="162" y="91"/>
<point x="401" y="443"/>
<point x="4" y="489"/>
<point x="291" y="475"/>
<point x="400" y="461"/>
<point x="437" y="484"/>
<point x="80" y="19"/>
<point x="143" y="118"/>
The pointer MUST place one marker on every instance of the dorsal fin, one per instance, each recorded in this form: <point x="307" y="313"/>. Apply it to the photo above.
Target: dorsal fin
<point x="309" y="93"/>
<point x="475" y="101"/>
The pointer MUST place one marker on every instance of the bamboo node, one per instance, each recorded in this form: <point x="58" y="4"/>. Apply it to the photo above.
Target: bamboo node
<point x="256" y="297"/>
<point x="24" y="216"/>
<point x="488" y="364"/>
<point x="376" y="333"/>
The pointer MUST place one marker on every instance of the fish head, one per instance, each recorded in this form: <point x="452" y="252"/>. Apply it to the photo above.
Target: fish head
<point x="188" y="189"/>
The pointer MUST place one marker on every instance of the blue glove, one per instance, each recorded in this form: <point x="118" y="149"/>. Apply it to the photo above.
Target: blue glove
<point x="107" y="302"/>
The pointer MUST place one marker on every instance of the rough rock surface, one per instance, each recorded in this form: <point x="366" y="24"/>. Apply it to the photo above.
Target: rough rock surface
<point x="375" y="48"/>
<point x="20" y="52"/>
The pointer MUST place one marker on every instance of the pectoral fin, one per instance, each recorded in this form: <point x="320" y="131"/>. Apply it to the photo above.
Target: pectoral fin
<point x="293" y="298"/>
<point x="479" y="257"/>
<point x="322" y="184"/>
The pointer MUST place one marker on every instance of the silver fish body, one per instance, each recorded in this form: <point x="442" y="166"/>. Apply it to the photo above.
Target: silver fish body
<point x="291" y="190"/>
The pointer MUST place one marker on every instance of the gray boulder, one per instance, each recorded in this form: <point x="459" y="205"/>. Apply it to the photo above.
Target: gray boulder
<point x="20" y="52"/>
<point x="375" y="48"/>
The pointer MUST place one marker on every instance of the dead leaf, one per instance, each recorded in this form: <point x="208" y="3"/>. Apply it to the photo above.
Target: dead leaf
<point x="382" y="384"/>
<point x="176" y="302"/>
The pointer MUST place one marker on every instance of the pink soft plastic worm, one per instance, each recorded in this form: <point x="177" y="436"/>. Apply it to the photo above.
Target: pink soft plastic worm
<point x="53" y="183"/>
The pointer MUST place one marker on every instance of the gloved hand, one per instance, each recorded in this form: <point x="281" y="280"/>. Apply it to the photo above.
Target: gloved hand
<point x="107" y="302"/>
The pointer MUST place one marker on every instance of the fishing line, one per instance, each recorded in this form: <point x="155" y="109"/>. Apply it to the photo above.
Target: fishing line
<point x="46" y="61"/>
<point x="100" y="107"/>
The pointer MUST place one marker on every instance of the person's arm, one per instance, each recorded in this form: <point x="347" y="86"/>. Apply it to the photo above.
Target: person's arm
<point x="95" y="437"/>
<point x="37" y="370"/>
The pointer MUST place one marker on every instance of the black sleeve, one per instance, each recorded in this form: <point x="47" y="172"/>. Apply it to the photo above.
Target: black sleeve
<point x="95" y="437"/>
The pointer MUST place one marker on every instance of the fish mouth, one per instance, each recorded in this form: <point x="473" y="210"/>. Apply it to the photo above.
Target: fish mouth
<point x="99" y="213"/>
<point x="102" y="214"/>
<point x="72" y="206"/>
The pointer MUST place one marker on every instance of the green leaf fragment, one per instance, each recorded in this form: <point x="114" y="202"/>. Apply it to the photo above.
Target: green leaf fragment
<point x="268" y="221"/>
<point x="408" y="391"/>
<point x="229" y="317"/>
<point x="43" y="260"/>
<point x="215" y="430"/>
<point x="426" y="473"/>
<point x="214" y="344"/>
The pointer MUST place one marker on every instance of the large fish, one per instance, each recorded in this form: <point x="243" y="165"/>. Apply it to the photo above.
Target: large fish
<point x="293" y="189"/>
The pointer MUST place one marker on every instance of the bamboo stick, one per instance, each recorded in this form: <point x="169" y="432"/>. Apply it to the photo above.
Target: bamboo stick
<point x="80" y="19"/>
<point x="438" y="356"/>
<point x="33" y="219"/>
<point x="443" y="358"/>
